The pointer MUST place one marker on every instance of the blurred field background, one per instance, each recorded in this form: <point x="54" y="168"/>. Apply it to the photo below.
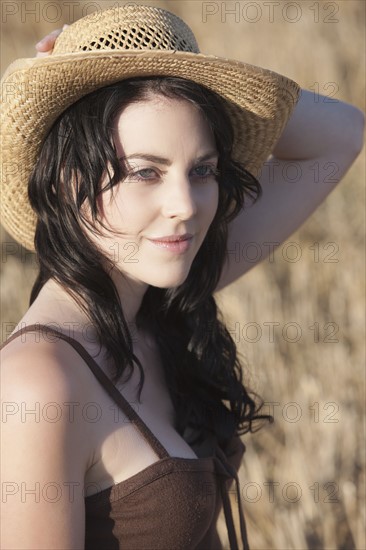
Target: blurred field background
<point x="303" y="477"/>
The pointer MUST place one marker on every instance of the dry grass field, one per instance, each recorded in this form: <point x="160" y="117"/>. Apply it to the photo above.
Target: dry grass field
<point x="299" y="325"/>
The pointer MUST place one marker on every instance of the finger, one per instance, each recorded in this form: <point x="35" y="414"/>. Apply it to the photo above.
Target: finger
<point x="46" y="44"/>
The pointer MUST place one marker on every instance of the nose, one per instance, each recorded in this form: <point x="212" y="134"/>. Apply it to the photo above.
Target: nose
<point x="179" y="200"/>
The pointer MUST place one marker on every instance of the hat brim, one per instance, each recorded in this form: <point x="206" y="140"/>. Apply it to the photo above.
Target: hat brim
<point x="36" y="91"/>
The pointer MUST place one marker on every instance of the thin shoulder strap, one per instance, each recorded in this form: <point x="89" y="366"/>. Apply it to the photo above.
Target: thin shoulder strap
<point x="104" y="381"/>
<point x="227" y="506"/>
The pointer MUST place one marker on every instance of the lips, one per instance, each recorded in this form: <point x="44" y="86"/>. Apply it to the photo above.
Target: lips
<point x="177" y="244"/>
<point x="173" y="238"/>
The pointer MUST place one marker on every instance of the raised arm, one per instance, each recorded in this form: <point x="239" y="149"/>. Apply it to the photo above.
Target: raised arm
<point x="319" y="144"/>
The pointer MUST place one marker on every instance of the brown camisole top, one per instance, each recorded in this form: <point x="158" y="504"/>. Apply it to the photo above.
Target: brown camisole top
<point x="173" y="504"/>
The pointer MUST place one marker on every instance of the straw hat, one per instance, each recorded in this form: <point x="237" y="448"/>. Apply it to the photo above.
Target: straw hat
<point x="121" y="43"/>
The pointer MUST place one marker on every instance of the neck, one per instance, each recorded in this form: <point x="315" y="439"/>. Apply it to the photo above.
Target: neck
<point x="130" y="294"/>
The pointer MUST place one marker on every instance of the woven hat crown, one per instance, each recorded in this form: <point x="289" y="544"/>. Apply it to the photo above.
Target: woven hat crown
<point x="127" y="28"/>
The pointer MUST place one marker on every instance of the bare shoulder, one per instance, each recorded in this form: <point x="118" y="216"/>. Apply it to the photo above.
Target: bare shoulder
<point x="42" y="384"/>
<point x="36" y="363"/>
<point x="45" y="447"/>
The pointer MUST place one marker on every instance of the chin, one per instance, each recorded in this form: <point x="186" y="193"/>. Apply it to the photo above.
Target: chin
<point x="169" y="281"/>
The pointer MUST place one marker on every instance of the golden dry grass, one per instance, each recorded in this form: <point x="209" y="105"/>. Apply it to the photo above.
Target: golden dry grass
<point x="313" y="455"/>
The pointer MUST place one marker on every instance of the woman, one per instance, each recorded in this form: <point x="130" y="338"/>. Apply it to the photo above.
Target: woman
<point x="133" y="188"/>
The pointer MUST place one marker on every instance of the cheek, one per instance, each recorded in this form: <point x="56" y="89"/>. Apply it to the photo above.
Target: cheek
<point x="136" y="211"/>
<point x="212" y="201"/>
<point x="126" y="212"/>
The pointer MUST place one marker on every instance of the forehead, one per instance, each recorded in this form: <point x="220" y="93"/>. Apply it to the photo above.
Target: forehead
<point x="161" y="123"/>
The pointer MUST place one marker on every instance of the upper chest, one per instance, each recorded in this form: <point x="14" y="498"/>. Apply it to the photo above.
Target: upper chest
<point x="123" y="446"/>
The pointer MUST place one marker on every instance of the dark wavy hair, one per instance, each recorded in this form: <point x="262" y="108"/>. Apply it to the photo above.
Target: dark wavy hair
<point x="200" y="361"/>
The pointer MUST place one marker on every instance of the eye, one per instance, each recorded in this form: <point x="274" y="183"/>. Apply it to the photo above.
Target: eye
<point x="205" y="171"/>
<point x="143" y="175"/>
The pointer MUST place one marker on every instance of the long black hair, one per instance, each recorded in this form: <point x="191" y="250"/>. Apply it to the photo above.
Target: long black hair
<point x="200" y="361"/>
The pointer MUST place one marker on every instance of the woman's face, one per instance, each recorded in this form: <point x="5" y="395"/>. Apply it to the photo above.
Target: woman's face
<point x="169" y="198"/>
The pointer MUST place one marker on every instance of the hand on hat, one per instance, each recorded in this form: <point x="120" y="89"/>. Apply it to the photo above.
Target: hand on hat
<point x="45" y="46"/>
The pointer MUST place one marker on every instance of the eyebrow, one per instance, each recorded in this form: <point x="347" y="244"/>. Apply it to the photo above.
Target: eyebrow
<point x="167" y="162"/>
